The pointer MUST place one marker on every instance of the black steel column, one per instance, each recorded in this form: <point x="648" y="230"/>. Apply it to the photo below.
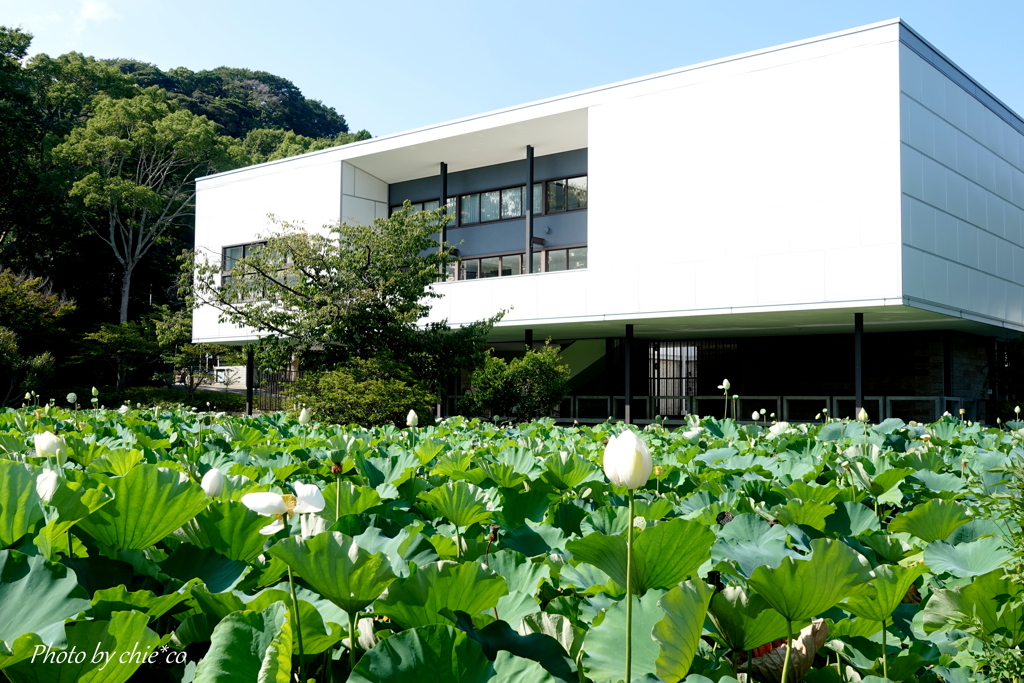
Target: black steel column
<point x="443" y="202"/>
<point x="528" y="211"/>
<point x="629" y="363"/>
<point x="529" y="339"/>
<point x="250" y="377"/>
<point x="858" y="364"/>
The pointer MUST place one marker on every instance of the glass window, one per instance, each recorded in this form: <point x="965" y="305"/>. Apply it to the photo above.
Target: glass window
<point x="556" y="260"/>
<point x="512" y="202"/>
<point x="451" y="270"/>
<point x="490" y="206"/>
<point x="577" y="198"/>
<point x="431" y="206"/>
<point x="489" y="266"/>
<point x="470" y="212"/>
<point x="231" y="254"/>
<point x="512" y="264"/>
<point x="537" y="256"/>
<point x="556" y="195"/>
<point x="538" y="198"/>
<point x="253" y="248"/>
<point x="470" y="270"/>
<point x="452" y="204"/>
<point x="577" y="258"/>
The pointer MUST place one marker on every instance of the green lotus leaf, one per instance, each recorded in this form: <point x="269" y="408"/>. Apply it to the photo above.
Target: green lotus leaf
<point x="116" y="463"/>
<point x="967" y="559"/>
<point x="229" y="527"/>
<point x="566" y="471"/>
<point x="408" y="545"/>
<point x="886" y="591"/>
<point x="678" y="634"/>
<point x="803" y="589"/>
<point x="520" y="573"/>
<point x="460" y="503"/>
<point x="605" y="644"/>
<point x="418" y="600"/>
<point x="20" y="507"/>
<point x="498" y="636"/>
<point x="125" y="635"/>
<point x="335" y="566"/>
<point x="807" y="513"/>
<point x="106" y="602"/>
<point x="36" y="597"/>
<point x="744" y="619"/>
<point x="747" y="556"/>
<point x="435" y="653"/>
<point x="318" y="635"/>
<point x="931" y="521"/>
<point x="852" y="519"/>
<point x="991" y="602"/>
<point x="560" y="628"/>
<point x="189" y="562"/>
<point x="249" y="646"/>
<point x="149" y="503"/>
<point x="345" y="498"/>
<point x="664" y="555"/>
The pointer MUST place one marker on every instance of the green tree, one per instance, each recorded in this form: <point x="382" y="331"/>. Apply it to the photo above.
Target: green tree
<point x="190" y="362"/>
<point x="523" y="389"/>
<point x="136" y="161"/>
<point x="123" y="348"/>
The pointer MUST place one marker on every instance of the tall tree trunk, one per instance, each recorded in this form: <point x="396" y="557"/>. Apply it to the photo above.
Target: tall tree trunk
<point x="126" y="283"/>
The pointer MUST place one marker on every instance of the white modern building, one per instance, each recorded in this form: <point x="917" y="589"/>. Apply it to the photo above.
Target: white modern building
<point x="734" y="217"/>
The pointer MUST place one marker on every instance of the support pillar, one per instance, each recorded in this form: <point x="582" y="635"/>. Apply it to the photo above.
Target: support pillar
<point x="443" y="202"/>
<point x="858" y="364"/>
<point x="528" y="211"/>
<point x="628" y="349"/>
<point x="250" y="378"/>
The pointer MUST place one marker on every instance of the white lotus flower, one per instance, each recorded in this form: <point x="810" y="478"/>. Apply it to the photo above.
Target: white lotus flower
<point x="777" y="429"/>
<point x="862" y="415"/>
<point x="725" y="385"/>
<point x="213" y="482"/>
<point x="49" y="445"/>
<point x="755" y="416"/>
<point x="123" y="409"/>
<point x="46" y="484"/>
<point x="412" y="419"/>
<point x="305" y="416"/>
<point x="627" y="462"/>
<point x="307" y="498"/>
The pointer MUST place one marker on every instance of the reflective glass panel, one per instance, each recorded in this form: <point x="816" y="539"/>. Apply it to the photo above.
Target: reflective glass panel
<point x="577" y="258"/>
<point x="556" y="195"/>
<point x="231" y="254"/>
<point x="512" y="202"/>
<point x="489" y="266"/>
<point x="537" y="256"/>
<point x="395" y="209"/>
<point x="490" y="206"/>
<point x="450" y="269"/>
<point x="470" y="209"/>
<point x="430" y="206"/>
<point x="452" y="204"/>
<point x="470" y="270"/>
<point x="577" y="198"/>
<point x="556" y="260"/>
<point x="538" y="198"/>
<point x="512" y="264"/>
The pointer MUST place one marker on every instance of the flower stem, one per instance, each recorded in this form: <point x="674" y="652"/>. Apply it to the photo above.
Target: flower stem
<point x="885" y="659"/>
<point x="298" y="626"/>
<point x="337" y="497"/>
<point x="352" y="619"/>
<point x="629" y="589"/>
<point x="458" y="545"/>
<point x="789" y="651"/>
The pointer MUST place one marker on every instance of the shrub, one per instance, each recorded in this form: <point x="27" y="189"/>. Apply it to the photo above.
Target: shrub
<point x="525" y="388"/>
<point x="365" y="392"/>
<point x="160" y="397"/>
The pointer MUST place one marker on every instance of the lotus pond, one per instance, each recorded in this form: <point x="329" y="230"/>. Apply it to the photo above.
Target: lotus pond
<point x="471" y="552"/>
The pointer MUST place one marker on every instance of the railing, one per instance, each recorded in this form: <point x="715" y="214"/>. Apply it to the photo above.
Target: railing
<point x="269" y="385"/>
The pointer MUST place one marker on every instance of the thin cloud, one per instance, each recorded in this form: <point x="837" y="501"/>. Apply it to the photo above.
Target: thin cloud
<point x="96" y="10"/>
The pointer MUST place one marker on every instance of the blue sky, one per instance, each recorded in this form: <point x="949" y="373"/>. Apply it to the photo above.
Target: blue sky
<point x="391" y="65"/>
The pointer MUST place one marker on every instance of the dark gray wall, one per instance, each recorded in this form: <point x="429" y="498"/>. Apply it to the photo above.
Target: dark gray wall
<point x="502" y="237"/>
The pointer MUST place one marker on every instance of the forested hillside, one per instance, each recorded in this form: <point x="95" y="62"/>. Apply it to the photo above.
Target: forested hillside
<point x="97" y="189"/>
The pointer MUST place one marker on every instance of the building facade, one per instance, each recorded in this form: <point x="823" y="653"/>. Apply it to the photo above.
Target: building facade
<point x="730" y="219"/>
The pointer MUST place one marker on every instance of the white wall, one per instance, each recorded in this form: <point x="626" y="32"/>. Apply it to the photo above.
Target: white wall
<point x="363" y="197"/>
<point x="765" y="181"/>
<point x="233" y="209"/>
<point x="963" y="198"/>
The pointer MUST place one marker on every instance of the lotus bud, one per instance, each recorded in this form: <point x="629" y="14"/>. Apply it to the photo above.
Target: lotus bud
<point x="28" y="395"/>
<point x="213" y="482"/>
<point x="862" y="415"/>
<point x="1017" y="410"/>
<point x="627" y="461"/>
<point x="818" y="416"/>
<point x="412" y="419"/>
<point x="755" y="416"/>
<point x="304" y="416"/>
<point x="46" y="485"/>
<point x="725" y="385"/>
<point x="49" y="445"/>
<point x="95" y="391"/>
